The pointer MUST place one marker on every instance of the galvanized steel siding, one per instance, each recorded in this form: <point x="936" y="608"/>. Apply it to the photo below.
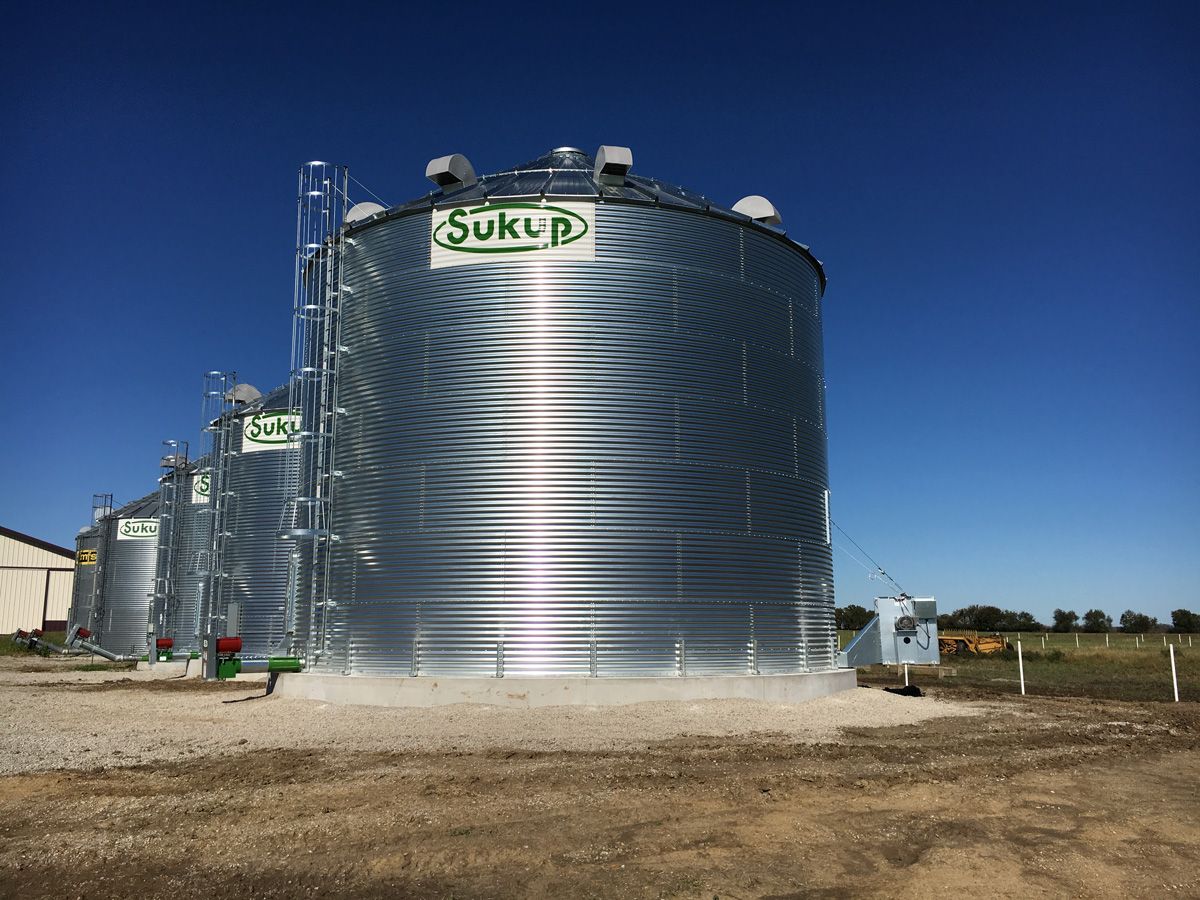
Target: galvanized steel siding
<point x="83" y="596"/>
<point x="191" y="562"/>
<point x="255" y="561"/>
<point x="128" y="569"/>
<point x="603" y="468"/>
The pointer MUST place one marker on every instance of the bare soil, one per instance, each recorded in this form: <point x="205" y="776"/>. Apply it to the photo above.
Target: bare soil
<point x="268" y="797"/>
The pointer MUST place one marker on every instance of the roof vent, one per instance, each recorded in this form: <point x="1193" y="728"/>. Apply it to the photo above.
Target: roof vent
<point x="451" y="172"/>
<point x="362" y="211"/>
<point x="174" y="461"/>
<point x="759" y="209"/>
<point x="243" y="393"/>
<point x="612" y="164"/>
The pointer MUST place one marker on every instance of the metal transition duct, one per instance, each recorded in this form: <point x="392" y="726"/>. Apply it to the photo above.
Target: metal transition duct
<point x="580" y="430"/>
<point x="903" y="630"/>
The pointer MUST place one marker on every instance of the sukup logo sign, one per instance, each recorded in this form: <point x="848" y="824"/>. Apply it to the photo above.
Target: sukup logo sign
<point x="500" y="232"/>
<point x="137" y="529"/>
<point x="268" y="430"/>
<point x="201" y="487"/>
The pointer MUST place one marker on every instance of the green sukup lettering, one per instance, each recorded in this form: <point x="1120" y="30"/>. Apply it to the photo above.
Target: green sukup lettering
<point x="508" y="227"/>
<point x="560" y="227"/>
<point x="458" y="227"/>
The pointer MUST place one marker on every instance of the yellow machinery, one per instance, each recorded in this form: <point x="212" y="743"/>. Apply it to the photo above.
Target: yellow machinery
<point x="964" y="642"/>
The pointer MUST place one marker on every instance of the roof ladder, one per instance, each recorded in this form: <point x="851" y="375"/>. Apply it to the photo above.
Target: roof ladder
<point x="162" y="600"/>
<point x="321" y="206"/>
<point x="219" y="404"/>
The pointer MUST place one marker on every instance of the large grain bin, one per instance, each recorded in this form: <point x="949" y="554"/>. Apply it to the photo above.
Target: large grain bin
<point x="126" y="555"/>
<point x="581" y="433"/>
<point x="251" y="592"/>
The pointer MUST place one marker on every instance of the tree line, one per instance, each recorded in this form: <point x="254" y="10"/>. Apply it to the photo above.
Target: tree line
<point x="978" y="617"/>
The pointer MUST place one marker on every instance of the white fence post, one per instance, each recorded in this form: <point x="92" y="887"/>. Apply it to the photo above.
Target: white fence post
<point x="1106" y="639"/>
<point x="1164" y="640"/>
<point x="1077" y="640"/>
<point x="1174" y="678"/>
<point x="1021" y="667"/>
<point x="906" y="674"/>
<point x="1043" y="642"/>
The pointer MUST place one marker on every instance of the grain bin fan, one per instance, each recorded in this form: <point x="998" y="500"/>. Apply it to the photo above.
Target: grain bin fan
<point x="904" y="630"/>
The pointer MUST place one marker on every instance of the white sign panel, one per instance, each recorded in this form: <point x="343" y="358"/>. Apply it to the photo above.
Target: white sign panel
<point x="512" y="232"/>
<point x="137" y="529"/>
<point x="268" y="430"/>
<point x="201" y="487"/>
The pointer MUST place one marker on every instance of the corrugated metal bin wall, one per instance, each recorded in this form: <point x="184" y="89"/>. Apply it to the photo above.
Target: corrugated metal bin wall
<point x="88" y="544"/>
<point x="191" y="559"/>
<point x="262" y="478"/>
<point x="127" y="565"/>
<point x="614" y="467"/>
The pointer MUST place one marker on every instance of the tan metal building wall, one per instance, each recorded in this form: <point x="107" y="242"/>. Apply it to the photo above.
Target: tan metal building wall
<point x="36" y="578"/>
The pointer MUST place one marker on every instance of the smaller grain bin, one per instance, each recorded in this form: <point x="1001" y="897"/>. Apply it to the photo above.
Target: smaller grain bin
<point x="185" y="520"/>
<point x="127" y="550"/>
<point x="250" y="595"/>
<point x="83" y="598"/>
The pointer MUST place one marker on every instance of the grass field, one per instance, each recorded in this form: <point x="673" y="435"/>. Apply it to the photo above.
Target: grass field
<point x="1063" y="641"/>
<point x="8" y="648"/>
<point x="81" y="663"/>
<point x="1112" y="674"/>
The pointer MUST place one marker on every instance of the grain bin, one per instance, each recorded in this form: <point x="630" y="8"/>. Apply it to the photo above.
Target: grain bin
<point x="184" y="540"/>
<point x="253" y="562"/>
<point x="83" y="596"/>
<point x="126" y="555"/>
<point x="579" y="430"/>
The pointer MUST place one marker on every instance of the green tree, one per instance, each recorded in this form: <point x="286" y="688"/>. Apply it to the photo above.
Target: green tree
<point x="1023" y="621"/>
<point x="1137" y="623"/>
<point x="1095" y="621"/>
<point x="988" y="618"/>
<point x="979" y="617"/>
<point x="1185" y="622"/>
<point x="852" y="617"/>
<point x="1065" y="620"/>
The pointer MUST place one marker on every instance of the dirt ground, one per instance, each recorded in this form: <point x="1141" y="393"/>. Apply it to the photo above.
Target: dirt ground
<point x="121" y="785"/>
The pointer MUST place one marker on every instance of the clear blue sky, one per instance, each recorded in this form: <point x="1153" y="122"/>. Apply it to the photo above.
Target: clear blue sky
<point x="1005" y="197"/>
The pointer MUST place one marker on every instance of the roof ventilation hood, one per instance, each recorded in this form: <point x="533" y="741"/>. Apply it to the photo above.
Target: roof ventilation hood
<point x="612" y="164"/>
<point x="451" y="173"/>
<point x="760" y="209"/>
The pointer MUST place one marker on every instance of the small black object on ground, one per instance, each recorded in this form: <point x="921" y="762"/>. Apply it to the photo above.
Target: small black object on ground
<point x="909" y="690"/>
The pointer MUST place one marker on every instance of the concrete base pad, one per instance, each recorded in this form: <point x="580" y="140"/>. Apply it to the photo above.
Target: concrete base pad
<point x="529" y="692"/>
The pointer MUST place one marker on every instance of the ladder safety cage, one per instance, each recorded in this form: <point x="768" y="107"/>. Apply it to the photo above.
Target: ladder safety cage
<point x="102" y="507"/>
<point x="321" y="205"/>
<point x="163" y="600"/>
<point x="218" y="405"/>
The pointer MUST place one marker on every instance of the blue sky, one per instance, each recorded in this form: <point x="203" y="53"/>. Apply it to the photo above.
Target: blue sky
<point x="1005" y="199"/>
